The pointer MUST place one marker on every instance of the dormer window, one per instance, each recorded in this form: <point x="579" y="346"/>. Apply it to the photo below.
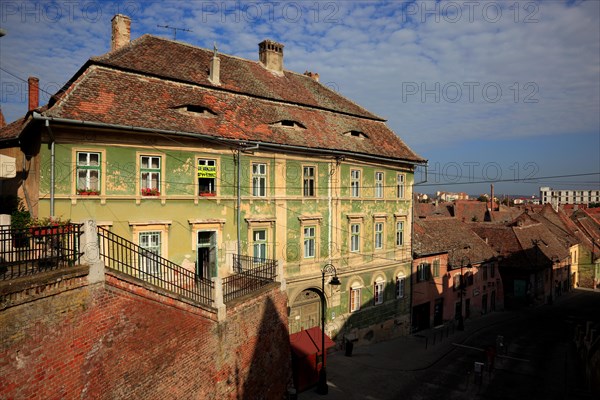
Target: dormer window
<point x="197" y="110"/>
<point x="356" y="134"/>
<point x="288" y="123"/>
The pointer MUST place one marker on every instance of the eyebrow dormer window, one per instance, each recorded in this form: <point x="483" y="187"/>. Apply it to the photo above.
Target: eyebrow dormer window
<point x="288" y="123"/>
<point x="197" y="110"/>
<point x="356" y="134"/>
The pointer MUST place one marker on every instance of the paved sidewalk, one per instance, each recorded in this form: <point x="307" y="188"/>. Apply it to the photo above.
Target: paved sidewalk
<point x="361" y="376"/>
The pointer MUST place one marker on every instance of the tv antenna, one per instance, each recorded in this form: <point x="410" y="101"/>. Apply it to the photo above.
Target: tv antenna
<point x="174" y="30"/>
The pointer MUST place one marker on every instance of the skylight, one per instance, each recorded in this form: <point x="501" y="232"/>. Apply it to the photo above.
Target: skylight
<point x="197" y="109"/>
<point x="288" y="123"/>
<point x="356" y="134"/>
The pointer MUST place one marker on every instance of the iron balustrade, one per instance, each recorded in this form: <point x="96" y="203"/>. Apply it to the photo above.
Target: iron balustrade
<point x="29" y="251"/>
<point x="252" y="273"/>
<point x="122" y="255"/>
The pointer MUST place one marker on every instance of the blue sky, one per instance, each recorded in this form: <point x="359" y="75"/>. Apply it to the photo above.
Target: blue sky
<point x="487" y="90"/>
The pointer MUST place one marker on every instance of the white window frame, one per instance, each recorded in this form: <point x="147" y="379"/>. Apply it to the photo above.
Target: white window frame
<point x="355" y="299"/>
<point x="309" y="188"/>
<point x="399" y="233"/>
<point x="400" y="286"/>
<point x="378" y="228"/>
<point x="259" y="179"/>
<point x="379" y="184"/>
<point x="88" y="168"/>
<point x="400" y="185"/>
<point x="310" y="233"/>
<point x="378" y="291"/>
<point x="355" y="182"/>
<point x="259" y="244"/>
<point x="150" y="171"/>
<point x="147" y="264"/>
<point x="354" y="237"/>
<point x="207" y="162"/>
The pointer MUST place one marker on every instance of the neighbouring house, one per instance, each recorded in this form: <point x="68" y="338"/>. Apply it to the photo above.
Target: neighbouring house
<point x="534" y="263"/>
<point x="217" y="162"/>
<point x="454" y="274"/>
<point x="558" y="197"/>
<point x="586" y="256"/>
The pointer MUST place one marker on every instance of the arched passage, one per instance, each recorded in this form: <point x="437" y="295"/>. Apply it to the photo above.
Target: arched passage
<point x="305" y="311"/>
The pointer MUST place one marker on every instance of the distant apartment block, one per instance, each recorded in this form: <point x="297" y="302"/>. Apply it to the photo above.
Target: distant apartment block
<point x="562" y="196"/>
<point x="449" y="196"/>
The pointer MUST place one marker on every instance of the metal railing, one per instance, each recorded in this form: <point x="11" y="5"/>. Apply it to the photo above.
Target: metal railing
<point x="129" y="258"/>
<point x="29" y="251"/>
<point x="252" y="273"/>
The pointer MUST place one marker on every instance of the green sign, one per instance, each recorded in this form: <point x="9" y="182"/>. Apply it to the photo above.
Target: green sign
<point x="207" y="171"/>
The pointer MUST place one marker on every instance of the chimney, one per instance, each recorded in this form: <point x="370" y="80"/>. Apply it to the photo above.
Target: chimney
<point x="121" y="31"/>
<point x="270" y="54"/>
<point x="34" y="93"/>
<point x="214" y="74"/>
<point x="492" y="197"/>
<point x="313" y="75"/>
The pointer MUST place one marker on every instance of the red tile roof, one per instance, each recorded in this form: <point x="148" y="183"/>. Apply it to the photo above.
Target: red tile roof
<point x="453" y="236"/>
<point x="147" y="84"/>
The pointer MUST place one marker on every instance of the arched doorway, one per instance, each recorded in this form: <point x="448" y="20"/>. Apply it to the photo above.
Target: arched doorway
<point x="305" y="311"/>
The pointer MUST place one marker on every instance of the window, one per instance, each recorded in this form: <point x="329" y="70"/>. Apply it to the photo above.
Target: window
<point x="469" y="278"/>
<point x="150" y="242"/>
<point x="379" y="235"/>
<point x="379" y="185"/>
<point x="493" y="271"/>
<point x="400" y="186"/>
<point x="309" y="241"/>
<point x="354" y="299"/>
<point x="355" y="183"/>
<point x="457" y="279"/>
<point x="259" y="243"/>
<point x="400" y="286"/>
<point x="309" y="181"/>
<point x="88" y="173"/>
<point x="399" y="233"/>
<point x="378" y="292"/>
<point x="423" y="272"/>
<point x="355" y="237"/>
<point x="207" y="177"/>
<point x="259" y="180"/>
<point x="436" y="268"/>
<point x="485" y="272"/>
<point x="150" y="175"/>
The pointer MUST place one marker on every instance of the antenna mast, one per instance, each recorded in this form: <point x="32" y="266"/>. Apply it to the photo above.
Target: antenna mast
<point x="174" y="30"/>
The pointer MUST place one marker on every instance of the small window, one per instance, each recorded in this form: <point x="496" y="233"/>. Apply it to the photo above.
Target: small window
<point x="379" y="185"/>
<point x="355" y="182"/>
<point x="400" y="287"/>
<point x="399" y="233"/>
<point x="259" y="244"/>
<point x="485" y="272"/>
<point x="207" y="177"/>
<point x="378" y="292"/>
<point x="308" y="181"/>
<point x="354" y="299"/>
<point x="436" y="268"/>
<point x="259" y="180"/>
<point x="379" y="235"/>
<point x="200" y="110"/>
<point x="356" y="134"/>
<point x="457" y="281"/>
<point x="400" y="186"/>
<point x="88" y="173"/>
<point x="309" y="241"/>
<point x="150" y="175"/>
<point x="355" y="237"/>
<point x="288" y="123"/>
<point x="423" y="272"/>
<point x="149" y="257"/>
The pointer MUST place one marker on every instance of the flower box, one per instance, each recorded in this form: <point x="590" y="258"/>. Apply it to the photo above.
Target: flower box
<point x="150" y="192"/>
<point x="208" y="194"/>
<point x="84" y="192"/>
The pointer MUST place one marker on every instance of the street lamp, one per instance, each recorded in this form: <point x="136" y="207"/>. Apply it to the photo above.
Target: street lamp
<point x="462" y="286"/>
<point x="322" y="387"/>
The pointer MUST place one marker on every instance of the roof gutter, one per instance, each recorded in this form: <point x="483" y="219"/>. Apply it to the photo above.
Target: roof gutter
<point x="236" y="142"/>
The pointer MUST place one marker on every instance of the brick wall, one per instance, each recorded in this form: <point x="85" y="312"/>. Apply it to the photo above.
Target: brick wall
<point x="116" y="339"/>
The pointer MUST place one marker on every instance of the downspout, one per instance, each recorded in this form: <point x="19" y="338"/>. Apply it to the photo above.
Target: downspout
<point x="27" y="199"/>
<point x="329" y="234"/>
<point x="239" y="199"/>
<point x="52" y="167"/>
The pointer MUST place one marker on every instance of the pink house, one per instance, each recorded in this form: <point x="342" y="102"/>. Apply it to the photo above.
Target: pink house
<point x="455" y="274"/>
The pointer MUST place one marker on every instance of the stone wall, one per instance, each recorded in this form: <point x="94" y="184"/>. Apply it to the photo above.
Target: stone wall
<point x="63" y="337"/>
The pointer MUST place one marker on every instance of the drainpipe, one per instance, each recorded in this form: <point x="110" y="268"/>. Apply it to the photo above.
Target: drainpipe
<point x="52" y="167"/>
<point x="25" y="174"/>
<point x="239" y="197"/>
